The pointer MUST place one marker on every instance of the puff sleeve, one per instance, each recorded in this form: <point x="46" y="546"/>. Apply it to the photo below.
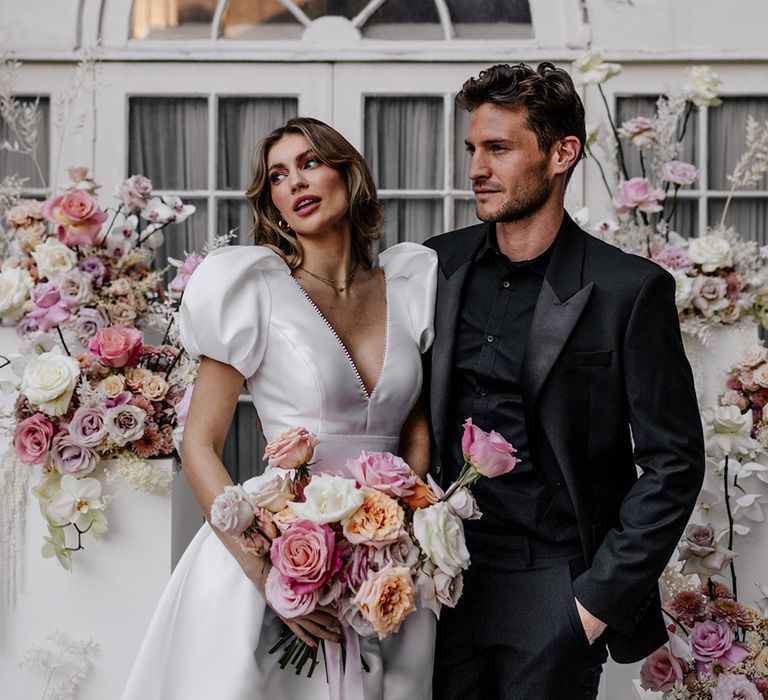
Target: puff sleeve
<point x="416" y="265"/>
<point x="226" y="306"/>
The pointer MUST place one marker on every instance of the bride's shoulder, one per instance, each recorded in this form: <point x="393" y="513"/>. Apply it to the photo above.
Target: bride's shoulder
<point x="239" y="260"/>
<point x="411" y="260"/>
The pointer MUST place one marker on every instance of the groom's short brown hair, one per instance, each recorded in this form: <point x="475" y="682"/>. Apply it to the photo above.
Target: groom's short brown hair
<point x="554" y="108"/>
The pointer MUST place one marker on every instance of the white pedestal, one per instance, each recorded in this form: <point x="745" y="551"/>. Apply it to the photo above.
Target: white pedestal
<point x="110" y="594"/>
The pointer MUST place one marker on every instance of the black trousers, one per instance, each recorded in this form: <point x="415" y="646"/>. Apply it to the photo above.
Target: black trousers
<point x="516" y="633"/>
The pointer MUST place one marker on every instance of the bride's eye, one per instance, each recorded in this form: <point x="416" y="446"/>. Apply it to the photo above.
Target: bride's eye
<point x="276" y="177"/>
<point x="311" y="162"/>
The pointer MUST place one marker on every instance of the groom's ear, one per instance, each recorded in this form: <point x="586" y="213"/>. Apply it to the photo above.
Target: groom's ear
<point x="565" y="154"/>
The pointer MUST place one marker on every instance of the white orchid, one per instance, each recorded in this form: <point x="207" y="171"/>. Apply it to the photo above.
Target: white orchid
<point x="605" y="226"/>
<point x="581" y="217"/>
<point x="592" y="68"/>
<point x="79" y="503"/>
<point x="762" y="602"/>
<point x="749" y="506"/>
<point x="750" y="469"/>
<point x="168" y="209"/>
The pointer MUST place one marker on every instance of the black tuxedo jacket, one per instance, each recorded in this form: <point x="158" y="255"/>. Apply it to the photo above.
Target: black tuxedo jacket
<point x="606" y="387"/>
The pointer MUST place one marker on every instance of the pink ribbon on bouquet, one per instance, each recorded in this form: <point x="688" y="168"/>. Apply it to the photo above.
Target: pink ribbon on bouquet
<point x="344" y="682"/>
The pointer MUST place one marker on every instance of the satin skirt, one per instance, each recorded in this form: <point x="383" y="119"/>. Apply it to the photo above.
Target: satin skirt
<point x="211" y="632"/>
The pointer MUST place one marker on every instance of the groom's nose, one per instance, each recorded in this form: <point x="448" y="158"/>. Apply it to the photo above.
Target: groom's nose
<point x="478" y="167"/>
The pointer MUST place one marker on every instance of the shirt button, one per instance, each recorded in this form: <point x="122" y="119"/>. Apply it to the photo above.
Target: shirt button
<point x="483" y="392"/>
<point x="490" y="338"/>
<point x="505" y="284"/>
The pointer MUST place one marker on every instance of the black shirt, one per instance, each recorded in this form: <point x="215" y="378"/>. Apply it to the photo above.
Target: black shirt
<point x="497" y="308"/>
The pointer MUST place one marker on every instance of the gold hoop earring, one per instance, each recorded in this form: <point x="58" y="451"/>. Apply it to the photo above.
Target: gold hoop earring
<point x="282" y="225"/>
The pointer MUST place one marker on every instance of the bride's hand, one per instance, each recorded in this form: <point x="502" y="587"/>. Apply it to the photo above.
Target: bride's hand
<point x="319" y="624"/>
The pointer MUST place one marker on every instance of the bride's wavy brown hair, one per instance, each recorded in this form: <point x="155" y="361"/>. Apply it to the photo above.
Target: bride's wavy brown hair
<point x="366" y="213"/>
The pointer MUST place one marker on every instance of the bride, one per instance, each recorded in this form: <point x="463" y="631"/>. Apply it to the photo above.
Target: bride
<point x="326" y="341"/>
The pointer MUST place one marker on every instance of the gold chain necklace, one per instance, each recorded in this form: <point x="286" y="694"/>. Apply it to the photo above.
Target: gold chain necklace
<point x="334" y="284"/>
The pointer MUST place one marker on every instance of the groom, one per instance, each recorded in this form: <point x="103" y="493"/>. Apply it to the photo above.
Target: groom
<point x="571" y="350"/>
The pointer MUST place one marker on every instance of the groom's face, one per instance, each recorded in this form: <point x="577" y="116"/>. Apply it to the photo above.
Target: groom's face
<point x="510" y="174"/>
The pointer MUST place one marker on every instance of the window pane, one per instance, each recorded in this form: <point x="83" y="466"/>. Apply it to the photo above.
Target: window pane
<point x="685" y="218"/>
<point x="267" y="19"/>
<point x="404" y="19"/>
<point x="460" y="155"/>
<point x="411" y="220"/>
<point x="168" y="141"/>
<point x="748" y="216"/>
<point x="243" y="122"/>
<point x="404" y="142"/>
<point x="235" y="215"/>
<point x="244" y="445"/>
<point x="14" y="163"/>
<point x="727" y="137"/>
<point x="491" y="19"/>
<point x="345" y="8"/>
<point x="464" y="213"/>
<point x="644" y="106"/>
<point x="190" y="235"/>
<point x="178" y="19"/>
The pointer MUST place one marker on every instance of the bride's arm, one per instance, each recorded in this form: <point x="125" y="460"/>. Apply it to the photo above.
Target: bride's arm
<point x="414" y="439"/>
<point x="210" y="414"/>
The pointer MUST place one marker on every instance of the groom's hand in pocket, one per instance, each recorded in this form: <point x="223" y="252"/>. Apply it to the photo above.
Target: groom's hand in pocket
<point x="593" y="627"/>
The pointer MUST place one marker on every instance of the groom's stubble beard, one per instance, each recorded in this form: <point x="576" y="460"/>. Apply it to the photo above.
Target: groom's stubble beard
<point x="522" y="201"/>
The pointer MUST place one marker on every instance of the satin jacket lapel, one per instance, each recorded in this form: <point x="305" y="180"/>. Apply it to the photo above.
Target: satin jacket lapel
<point x="452" y="274"/>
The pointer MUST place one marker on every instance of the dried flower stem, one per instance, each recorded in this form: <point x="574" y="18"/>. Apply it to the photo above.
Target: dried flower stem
<point x="620" y="150"/>
<point x="730" y="525"/>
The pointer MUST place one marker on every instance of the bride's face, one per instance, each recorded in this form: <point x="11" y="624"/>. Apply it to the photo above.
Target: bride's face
<point x="311" y="197"/>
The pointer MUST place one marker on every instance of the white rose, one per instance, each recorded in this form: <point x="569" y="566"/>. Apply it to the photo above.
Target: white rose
<point x="592" y="69"/>
<point x="440" y="533"/>
<point x="448" y="589"/>
<point x="753" y="356"/>
<point x="329" y="499"/>
<point x="125" y="423"/>
<point x="15" y="286"/>
<point x="231" y="512"/>
<point x="271" y="490"/>
<point x="49" y="381"/>
<point x="702" y="86"/>
<point x="728" y="432"/>
<point x="711" y="252"/>
<point x="54" y="259"/>
<point x="683" y="289"/>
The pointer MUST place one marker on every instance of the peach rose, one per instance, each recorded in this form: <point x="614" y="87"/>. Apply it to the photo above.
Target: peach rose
<point x="378" y="522"/>
<point x="135" y="377"/>
<point x="113" y="385"/>
<point x="284" y="518"/>
<point x="154" y="387"/>
<point x="386" y="599"/>
<point x="752" y="357"/>
<point x="422" y="496"/>
<point x="291" y="449"/>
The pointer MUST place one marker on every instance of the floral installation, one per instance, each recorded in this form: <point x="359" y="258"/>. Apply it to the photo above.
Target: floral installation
<point x="97" y="399"/>
<point x="65" y="666"/>
<point x="372" y="548"/>
<point x="720" y="277"/>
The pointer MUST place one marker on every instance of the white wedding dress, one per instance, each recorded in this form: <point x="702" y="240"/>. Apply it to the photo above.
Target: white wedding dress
<point x="210" y="634"/>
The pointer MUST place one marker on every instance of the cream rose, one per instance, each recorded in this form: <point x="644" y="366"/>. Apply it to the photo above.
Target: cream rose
<point x="271" y="490"/>
<point x="711" y="252"/>
<point x="154" y="387"/>
<point x="15" y="286"/>
<point x="440" y="533"/>
<point x="329" y="499"/>
<point x="702" y="86"/>
<point x="54" y="259"/>
<point x="683" y="289"/>
<point x="760" y="376"/>
<point x="113" y="385"/>
<point x="752" y="357"/>
<point x="49" y="381"/>
<point x="377" y="522"/>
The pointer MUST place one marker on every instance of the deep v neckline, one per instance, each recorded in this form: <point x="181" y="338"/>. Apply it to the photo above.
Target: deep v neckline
<point x="350" y="360"/>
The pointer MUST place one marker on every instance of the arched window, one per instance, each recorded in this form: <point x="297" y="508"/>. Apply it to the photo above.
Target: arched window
<point x="395" y="20"/>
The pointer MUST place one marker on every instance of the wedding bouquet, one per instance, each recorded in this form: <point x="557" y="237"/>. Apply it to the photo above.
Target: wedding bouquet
<point x="371" y="547"/>
<point x="721" y="278"/>
<point x="95" y="398"/>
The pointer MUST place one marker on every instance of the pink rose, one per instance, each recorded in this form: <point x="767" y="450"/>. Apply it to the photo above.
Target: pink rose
<point x="70" y="457"/>
<point x="679" y="173"/>
<point x="661" y="670"/>
<point x="672" y="257"/>
<point x="640" y="132"/>
<point x="76" y="216"/>
<point x="637" y="192"/>
<point x="185" y="270"/>
<point x="489" y="453"/>
<point x="306" y="554"/>
<point x="45" y="295"/>
<point x="88" y="425"/>
<point x="286" y="601"/>
<point x="355" y="569"/>
<point x="116" y="346"/>
<point x="231" y="511"/>
<point x="710" y="295"/>
<point x="386" y="598"/>
<point x="182" y="408"/>
<point x="383" y="471"/>
<point x="732" y="686"/>
<point x="712" y="642"/>
<point x="32" y="439"/>
<point x="291" y="449"/>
